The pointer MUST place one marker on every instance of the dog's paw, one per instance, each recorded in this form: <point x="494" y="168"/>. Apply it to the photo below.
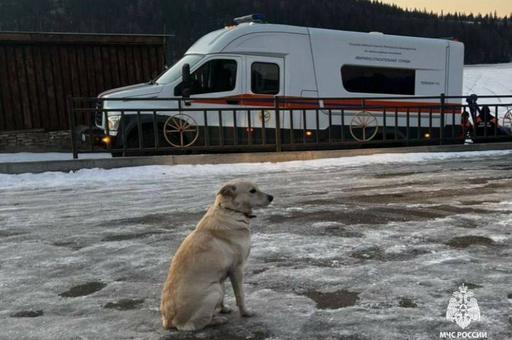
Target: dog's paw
<point x="247" y="314"/>
<point x="225" y="310"/>
<point x="218" y="320"/>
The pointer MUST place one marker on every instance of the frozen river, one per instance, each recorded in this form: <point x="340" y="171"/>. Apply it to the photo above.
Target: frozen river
<point x="355" y="248"/>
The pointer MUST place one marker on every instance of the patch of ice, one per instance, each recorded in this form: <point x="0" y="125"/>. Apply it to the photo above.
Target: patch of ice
<point x="326" y="224"/>
<point x="292" y="209"/>
<point x="498" y="238"/>
<point x="396" y="249"/>
<point x="298" y="247"/>
<point x="443" y="258"/>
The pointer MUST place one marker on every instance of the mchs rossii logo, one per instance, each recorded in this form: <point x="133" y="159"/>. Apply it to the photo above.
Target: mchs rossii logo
<point x="463" y="309"/>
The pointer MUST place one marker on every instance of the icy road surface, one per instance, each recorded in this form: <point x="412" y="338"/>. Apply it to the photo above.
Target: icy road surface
<point x="355" y="248"/>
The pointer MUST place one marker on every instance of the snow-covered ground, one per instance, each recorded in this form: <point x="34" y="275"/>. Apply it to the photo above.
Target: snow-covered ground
<point x="491" y="80"/>
<point x="368" y="247"/>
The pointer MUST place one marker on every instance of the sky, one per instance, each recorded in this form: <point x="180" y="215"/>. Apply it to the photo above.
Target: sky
<point x="502" y="7"/>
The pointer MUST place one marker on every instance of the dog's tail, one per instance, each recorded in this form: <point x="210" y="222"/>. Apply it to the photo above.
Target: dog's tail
<point x="166" y="311"/>
<point x="166" y="324"/>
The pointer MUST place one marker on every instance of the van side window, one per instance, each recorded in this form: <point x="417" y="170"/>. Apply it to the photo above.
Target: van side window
<point x="218" y="75"/>
<point x="369" y="79"/>
<point x="264" y="78"/>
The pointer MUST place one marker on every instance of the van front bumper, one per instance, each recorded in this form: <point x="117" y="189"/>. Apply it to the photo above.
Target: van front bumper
<point x="97" y="137"/>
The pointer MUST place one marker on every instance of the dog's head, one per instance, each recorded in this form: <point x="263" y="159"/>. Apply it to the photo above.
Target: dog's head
<point x="242" y="196"/>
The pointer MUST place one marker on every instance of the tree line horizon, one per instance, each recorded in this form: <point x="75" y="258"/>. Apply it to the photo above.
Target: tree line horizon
<point x="487" y="38"/>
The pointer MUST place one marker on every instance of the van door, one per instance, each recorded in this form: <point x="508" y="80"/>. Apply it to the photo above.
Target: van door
<point x="265" y="80"/>
<point x="216" y="83"/>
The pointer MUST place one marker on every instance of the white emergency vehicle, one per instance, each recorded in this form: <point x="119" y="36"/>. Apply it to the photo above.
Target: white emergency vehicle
<point x="249" y="64"/>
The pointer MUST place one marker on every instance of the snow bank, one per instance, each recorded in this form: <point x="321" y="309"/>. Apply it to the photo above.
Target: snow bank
<point x="87" y="177"/>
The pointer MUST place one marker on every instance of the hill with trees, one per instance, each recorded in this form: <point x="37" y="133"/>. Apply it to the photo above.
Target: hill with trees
<point x="488" y="38"/>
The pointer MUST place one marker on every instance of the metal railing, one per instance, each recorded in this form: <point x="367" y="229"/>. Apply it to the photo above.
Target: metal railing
<point x="202" y="125"/>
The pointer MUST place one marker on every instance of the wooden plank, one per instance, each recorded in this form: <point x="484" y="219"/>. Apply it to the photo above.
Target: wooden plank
<point x="155" y="70"/>
<point x="137" y="65"/>
<point x="23" y="86"/>
<point x="146" y="74"/>
<point x="114" y="66"/>
<point x="160" y="52"/>
<point x="17" y="110"/>
<point x="91" y="73"/>
<point x="98" y="68"/>
<point x="88" y="117"/>
<point x="60" y="95"/>
<point x="5" y="97"/>
<point x="66" y="70"/>
<point x="123" y="69"/>
<point x="73" y="72"/>
<point x="41" y="87"/>
<point x="130" y="65"/>
<point x="32" y="87"/>
<point x="82" y="73"/>
<point x="107" y="67"/>
<point x="53" y="115"/>
<point x="3" y="114"/>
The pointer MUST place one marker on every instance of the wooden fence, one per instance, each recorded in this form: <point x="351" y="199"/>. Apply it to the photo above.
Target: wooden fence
<point x="39" y="71"/>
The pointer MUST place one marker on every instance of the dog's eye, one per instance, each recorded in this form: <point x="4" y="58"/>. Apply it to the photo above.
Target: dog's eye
<point x="252" y="191"/>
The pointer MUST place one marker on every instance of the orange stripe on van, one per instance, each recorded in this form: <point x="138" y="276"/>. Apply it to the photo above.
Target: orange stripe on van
<point x="313" y="103"/>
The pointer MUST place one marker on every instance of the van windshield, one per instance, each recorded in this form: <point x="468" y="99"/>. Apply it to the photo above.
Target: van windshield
<point x="175" y="71"/>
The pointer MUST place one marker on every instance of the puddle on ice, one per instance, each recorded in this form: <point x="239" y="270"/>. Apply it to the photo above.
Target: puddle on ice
<point x="333" y="300"/>
<point x="83" y="289"/>
<point x="27" y="314"/>
<point x="407" y="303"/>
<point x="466" y="241"/>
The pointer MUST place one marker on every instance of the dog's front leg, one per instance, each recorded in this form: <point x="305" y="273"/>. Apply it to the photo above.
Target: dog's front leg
<point x="223" y="309"/>
<point x="236" y="276"/>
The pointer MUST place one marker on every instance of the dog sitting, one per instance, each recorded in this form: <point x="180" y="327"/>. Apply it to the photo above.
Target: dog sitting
<point x="218" y="248"/>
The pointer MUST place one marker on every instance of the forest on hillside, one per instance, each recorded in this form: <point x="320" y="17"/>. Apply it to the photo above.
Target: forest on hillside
<point x="488" y="38"/>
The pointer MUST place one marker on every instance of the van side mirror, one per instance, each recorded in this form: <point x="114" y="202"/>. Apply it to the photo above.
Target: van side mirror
<point x="186" y="88"/>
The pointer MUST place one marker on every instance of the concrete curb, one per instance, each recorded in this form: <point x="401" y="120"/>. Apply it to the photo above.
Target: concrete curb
<point x="111" y="163"/>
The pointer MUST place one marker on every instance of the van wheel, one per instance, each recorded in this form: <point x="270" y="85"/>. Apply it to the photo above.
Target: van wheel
<point x="181" y="130"/>
<point x="148" y="139"/>
<point x="364" y="126"/>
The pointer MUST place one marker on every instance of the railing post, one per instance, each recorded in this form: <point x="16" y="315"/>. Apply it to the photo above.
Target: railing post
<point x="72" y="124"/>
<point x="441" y="128"/>
<point x="278" y="124"/>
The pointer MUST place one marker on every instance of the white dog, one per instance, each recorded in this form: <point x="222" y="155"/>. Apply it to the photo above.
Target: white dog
<point x="217" y="249"/>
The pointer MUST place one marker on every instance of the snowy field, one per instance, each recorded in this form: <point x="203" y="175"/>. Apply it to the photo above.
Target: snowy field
<point x="488" y="80"/>
<point x="358" y="248"/>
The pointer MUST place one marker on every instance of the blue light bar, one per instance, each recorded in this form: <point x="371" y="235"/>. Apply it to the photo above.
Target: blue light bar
<point x="249" y="18"/>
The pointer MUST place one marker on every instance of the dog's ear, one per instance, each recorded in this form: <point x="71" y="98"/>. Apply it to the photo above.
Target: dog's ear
<point x="227" y="191"/>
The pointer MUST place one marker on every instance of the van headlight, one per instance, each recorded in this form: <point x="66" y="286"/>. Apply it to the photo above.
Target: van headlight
<point x="113" y="122"/>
